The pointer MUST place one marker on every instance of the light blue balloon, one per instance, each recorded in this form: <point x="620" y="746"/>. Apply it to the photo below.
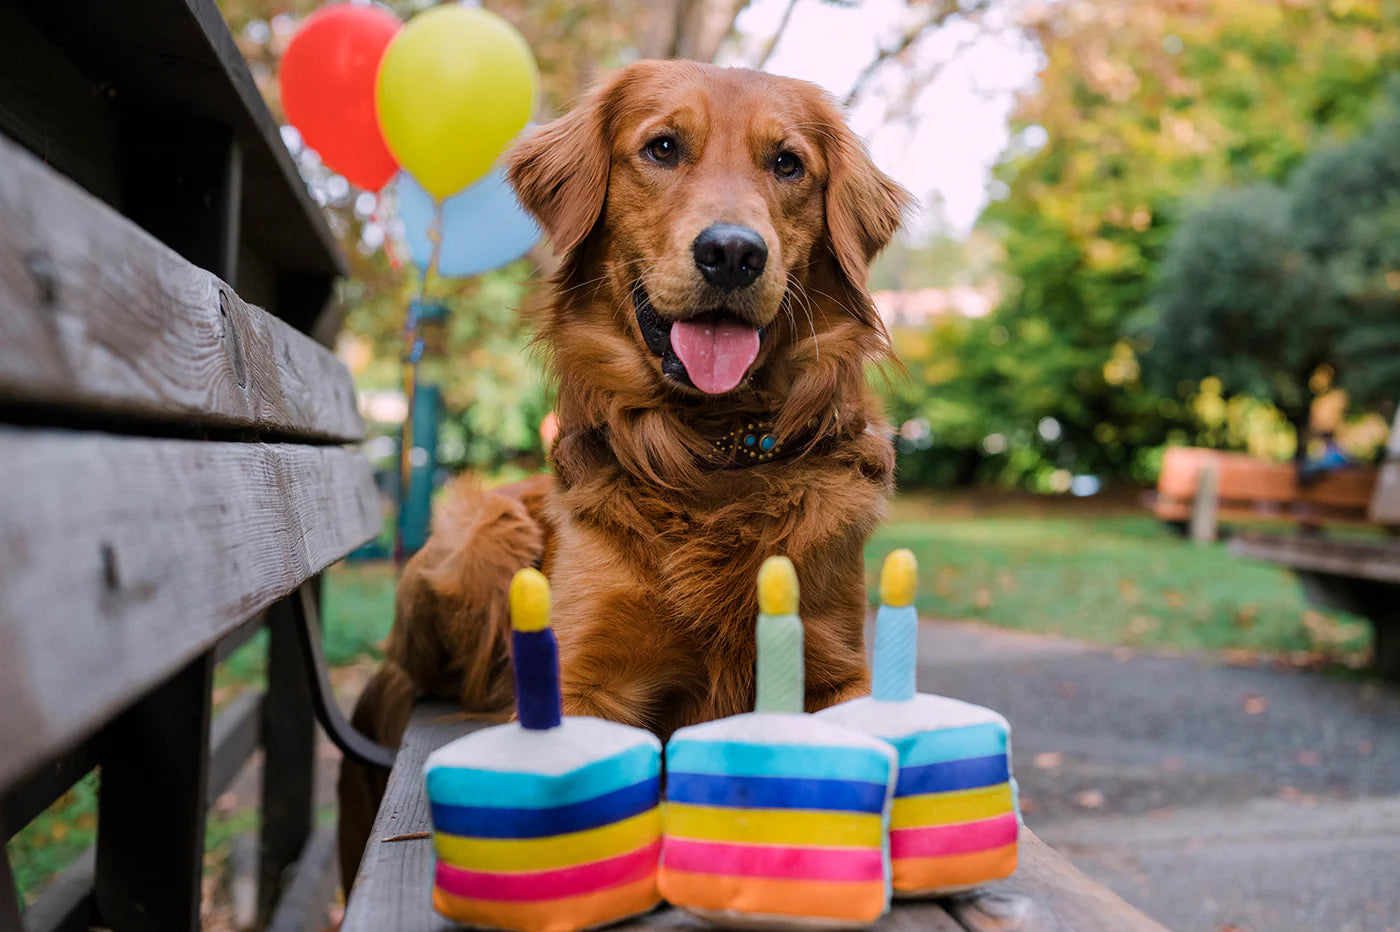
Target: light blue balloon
<point x="483" y="228"/>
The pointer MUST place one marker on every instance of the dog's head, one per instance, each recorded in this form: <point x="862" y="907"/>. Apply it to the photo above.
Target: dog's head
<point x="717" y="225"/>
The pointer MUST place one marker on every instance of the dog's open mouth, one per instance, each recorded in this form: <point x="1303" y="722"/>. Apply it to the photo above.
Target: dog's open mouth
<point x="711" y="351"/>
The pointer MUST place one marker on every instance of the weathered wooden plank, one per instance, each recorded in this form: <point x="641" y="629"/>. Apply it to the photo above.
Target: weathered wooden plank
<point x="97" y="315"/>
<point x="393" y="888"/>
<point x="122" y="558"/>
<point x="1046" y="894"/>
<point x="1377" y="560"/>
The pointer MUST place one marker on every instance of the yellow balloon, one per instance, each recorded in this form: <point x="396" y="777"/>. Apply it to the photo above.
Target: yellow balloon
<point x="455" y="86"/>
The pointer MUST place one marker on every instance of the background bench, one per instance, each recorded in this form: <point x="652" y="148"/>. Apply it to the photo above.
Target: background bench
<point x="1353" y="575"/>
<point x="1200" y="488"/>
<point x="172" y="441"/>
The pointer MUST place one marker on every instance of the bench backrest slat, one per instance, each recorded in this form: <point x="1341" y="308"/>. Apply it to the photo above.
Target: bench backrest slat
<point x="122" y="558"/>
<point x="100" y="317"/>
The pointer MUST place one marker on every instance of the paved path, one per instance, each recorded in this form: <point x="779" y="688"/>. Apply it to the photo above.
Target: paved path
<point x="1213" y="798"/>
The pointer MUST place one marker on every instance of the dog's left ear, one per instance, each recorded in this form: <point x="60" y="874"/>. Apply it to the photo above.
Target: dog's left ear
<point x="864" y="208"/>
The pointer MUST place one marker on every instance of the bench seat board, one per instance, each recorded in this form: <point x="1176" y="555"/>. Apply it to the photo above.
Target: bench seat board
<point x="1376" y="560"/>
<point x="99" y="317"/>
<point x="394" y="885"/>
<point x="122" y="558"/>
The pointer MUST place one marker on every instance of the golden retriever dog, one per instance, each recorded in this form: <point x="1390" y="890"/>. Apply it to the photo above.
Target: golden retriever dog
<point x="708" y="335"/>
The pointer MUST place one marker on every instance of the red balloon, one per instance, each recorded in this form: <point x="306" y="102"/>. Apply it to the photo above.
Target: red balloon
<point x="327" y="79"/>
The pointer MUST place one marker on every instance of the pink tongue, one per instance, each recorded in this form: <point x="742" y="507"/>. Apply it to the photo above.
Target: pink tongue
<point x="716" y="353"/>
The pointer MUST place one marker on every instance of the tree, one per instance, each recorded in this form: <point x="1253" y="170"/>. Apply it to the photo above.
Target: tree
<point x="1142" y="104"/>
<point x="1346" y="209"/>
<point x="1241" y="301"/>
<point x="1265" y="288"/>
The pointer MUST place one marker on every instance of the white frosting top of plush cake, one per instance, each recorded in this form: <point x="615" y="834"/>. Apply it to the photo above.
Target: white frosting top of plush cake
<point x="509" y="748"/>
<point x="783" y="728"/>
<point x="922" y="713"/>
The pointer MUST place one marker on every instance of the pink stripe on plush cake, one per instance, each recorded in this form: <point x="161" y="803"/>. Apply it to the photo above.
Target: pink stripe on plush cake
<point x="526" y="886"/>
<point x="778" y="862"/>
<point x="963" y="838"/>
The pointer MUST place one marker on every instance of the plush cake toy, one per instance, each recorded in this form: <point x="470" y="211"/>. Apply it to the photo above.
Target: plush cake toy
<point x="954" y="822"/>
<point x="775" y="818"/>
<point x="548" y="824"/>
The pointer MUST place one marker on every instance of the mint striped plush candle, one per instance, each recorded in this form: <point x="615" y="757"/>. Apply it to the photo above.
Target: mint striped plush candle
<point x="549" y="824"/>
<point x="774" y="817"/>
<point x="954" y="823"/>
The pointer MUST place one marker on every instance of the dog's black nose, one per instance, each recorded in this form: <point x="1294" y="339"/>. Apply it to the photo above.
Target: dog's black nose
<point x="730" y="256"/>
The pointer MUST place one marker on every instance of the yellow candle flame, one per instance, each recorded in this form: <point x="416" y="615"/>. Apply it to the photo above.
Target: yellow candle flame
<point x="777" y="587"/>
<point x="899" y="577"/>
<point x="529" y="601"/>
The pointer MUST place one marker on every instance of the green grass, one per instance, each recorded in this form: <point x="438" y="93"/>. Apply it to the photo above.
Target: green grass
<point x="358" y="605"/>
<point x="1114" y="579"/>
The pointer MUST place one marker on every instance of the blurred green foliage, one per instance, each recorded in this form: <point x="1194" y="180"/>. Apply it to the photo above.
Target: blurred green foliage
<point x="1141" y="106"/>
<point x="1280" y="290"/>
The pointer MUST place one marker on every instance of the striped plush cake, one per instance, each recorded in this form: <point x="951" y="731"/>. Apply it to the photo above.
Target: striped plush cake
<point x="954" y="823"/>
<point x="550" y="824"/>
<point x="775" y="817"/>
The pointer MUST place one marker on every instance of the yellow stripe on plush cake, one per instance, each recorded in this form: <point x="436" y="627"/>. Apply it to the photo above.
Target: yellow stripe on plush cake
<point x="951" y="808"/>
<point x="774" y="826"/>
<point x="554" y="851"/>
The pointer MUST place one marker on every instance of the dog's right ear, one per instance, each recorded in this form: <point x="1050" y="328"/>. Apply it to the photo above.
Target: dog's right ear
<point x="560" y="171"/>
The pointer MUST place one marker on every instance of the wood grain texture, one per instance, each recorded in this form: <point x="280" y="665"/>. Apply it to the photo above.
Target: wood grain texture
<point x="122" y="558"/>
<point x="1046" y="894"/>
<point x="1374" y="560"/>
<point x="98" y="316"/>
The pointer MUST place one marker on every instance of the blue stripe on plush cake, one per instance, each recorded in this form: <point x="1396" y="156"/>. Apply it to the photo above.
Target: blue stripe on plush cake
<point x="504" y="822"/>
<point x="948" y="776"/>
<point x="775" y="792"/>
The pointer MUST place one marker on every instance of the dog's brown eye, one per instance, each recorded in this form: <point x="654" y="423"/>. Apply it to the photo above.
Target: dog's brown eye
<point x="787" y="165"/>
<point x="662" y="149"/>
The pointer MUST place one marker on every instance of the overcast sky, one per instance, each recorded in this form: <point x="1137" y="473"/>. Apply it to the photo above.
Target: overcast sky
<point x="959" y="125"/>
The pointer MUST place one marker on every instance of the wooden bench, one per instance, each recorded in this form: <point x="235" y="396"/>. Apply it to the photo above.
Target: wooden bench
<point x="174" y="459"/>
<point x="1351" y="575"/>
<point x="1240" y="488"/>
<point x="393" y="887"/>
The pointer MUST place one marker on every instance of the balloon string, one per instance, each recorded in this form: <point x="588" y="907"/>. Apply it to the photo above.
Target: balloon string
<point x="412" y="353"/>
<point x="435" y="238"/>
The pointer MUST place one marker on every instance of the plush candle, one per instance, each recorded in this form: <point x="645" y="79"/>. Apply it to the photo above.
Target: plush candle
<point x="549" y="824"/>
<point x="774" y="817"/>
<point x="954" y="822"/>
